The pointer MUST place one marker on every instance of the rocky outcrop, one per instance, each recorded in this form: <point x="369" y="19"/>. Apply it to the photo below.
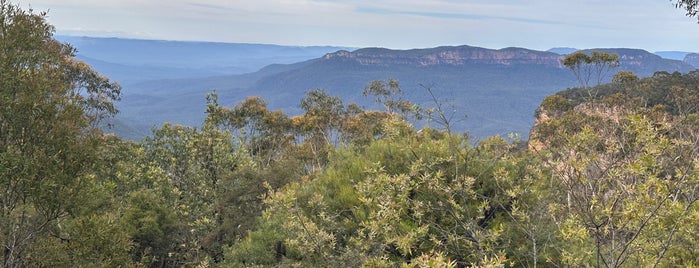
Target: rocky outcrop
<point x="692" y="59"/>
<point x="461" y="55"/>
<point x="642" y="62"/>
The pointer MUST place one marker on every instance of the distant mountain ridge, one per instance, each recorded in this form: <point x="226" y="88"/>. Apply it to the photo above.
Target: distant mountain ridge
<point x="641" y="61"/>
<point x="136" y="60"/>
<point x="670" y="55"/>
<point x="459" y="55"/>
<point x="496" y="89"/>
<point x="644" y="63"/>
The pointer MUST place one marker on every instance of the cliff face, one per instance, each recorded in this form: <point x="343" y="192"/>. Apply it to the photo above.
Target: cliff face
<point x="692" y="59"/>
<point x="454" y="56"/>
<point x="644" y="63"/>
<point x="640" y="61"/>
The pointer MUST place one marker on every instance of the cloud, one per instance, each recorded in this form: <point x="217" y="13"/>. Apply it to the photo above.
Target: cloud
<point x="209" y="6"/>
<point x="444" y="15"/>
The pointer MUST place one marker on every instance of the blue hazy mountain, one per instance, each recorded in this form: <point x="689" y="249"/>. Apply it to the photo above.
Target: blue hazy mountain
<point x="671" y="55"/>
<point x="132" y="60"/>
<point x="496" y="91"/>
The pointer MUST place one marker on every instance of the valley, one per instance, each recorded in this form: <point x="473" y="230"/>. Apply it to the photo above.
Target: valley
<point x="492" y="91"/>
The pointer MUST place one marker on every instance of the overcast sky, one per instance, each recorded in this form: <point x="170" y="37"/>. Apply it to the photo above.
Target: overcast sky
<point x="653" y="25"/>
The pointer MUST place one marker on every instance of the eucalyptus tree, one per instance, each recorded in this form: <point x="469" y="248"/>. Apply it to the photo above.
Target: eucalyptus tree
<point x="591" y="67"/>
<point x="50" y="105"/>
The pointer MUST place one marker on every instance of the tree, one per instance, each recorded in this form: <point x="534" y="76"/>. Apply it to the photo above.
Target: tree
<point x="323" y="114"/>
<point x="96" y="233"/>
<point x="320" y="125"/>
<point x="691" y="6"/>
<point x="595" y="65"/>
<point x="266" y="135"/>
<point x="389" y="94"/>
<point x="49" y="107"/>
<point x="626" y="79"/>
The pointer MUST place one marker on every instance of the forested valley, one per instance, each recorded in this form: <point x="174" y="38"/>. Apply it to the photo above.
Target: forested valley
<point x="609" y="176"/>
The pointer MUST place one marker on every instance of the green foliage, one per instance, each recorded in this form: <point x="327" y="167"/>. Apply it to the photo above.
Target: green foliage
<point x="554" y="105"/>
<point x="49" y="105"/>
<point x="393" y="201"/>
<point x="625" y="79"/>
<point x="647" y="92"/>
<point x="320" y="125"/>
<point x="391" y="96"/>
<point x="623" y="168"/>
<point x="267" y="133"/>
<point x="593" y="66"/>
<point x="89" y="241"/>
<point x="152" y="225"/>
<point x="212" y="188"/>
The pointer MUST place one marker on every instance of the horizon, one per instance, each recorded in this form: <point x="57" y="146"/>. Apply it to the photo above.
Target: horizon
<point x="652" y="25"/>
<point x="59" y="36"/>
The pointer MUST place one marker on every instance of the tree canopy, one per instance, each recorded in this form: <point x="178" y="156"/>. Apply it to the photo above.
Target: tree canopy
<point x="50" y="105"/>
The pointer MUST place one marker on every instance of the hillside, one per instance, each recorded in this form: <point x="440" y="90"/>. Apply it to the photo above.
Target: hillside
<point x="496" y="90"/>
<point x="693" y="59"/>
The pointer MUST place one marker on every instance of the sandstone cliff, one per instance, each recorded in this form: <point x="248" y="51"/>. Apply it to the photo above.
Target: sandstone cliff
<point x="693" y="59"/>
<point x="461" y="55"/>
<point x="640" y="61"/>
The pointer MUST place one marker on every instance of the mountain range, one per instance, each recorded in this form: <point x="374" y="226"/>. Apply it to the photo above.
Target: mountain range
<point x="490" y="91"/>
<point x="132" y="60"/>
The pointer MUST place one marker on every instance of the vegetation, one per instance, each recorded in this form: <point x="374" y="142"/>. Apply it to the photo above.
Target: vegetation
<point x="691" y="6"/>
<point x="606" y="180"/>
<point x="595" y="66"/>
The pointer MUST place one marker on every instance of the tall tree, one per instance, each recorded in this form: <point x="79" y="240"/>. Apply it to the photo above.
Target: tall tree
<point x="266" y="134"/>
<point x="389" y="94"/>
<point x="588" y="67"/>
<point x="49" y="107"/>
<point x="320" y="125"/>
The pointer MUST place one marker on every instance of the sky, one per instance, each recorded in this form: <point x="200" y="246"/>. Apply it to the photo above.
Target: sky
<point x="654" y="25"/>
